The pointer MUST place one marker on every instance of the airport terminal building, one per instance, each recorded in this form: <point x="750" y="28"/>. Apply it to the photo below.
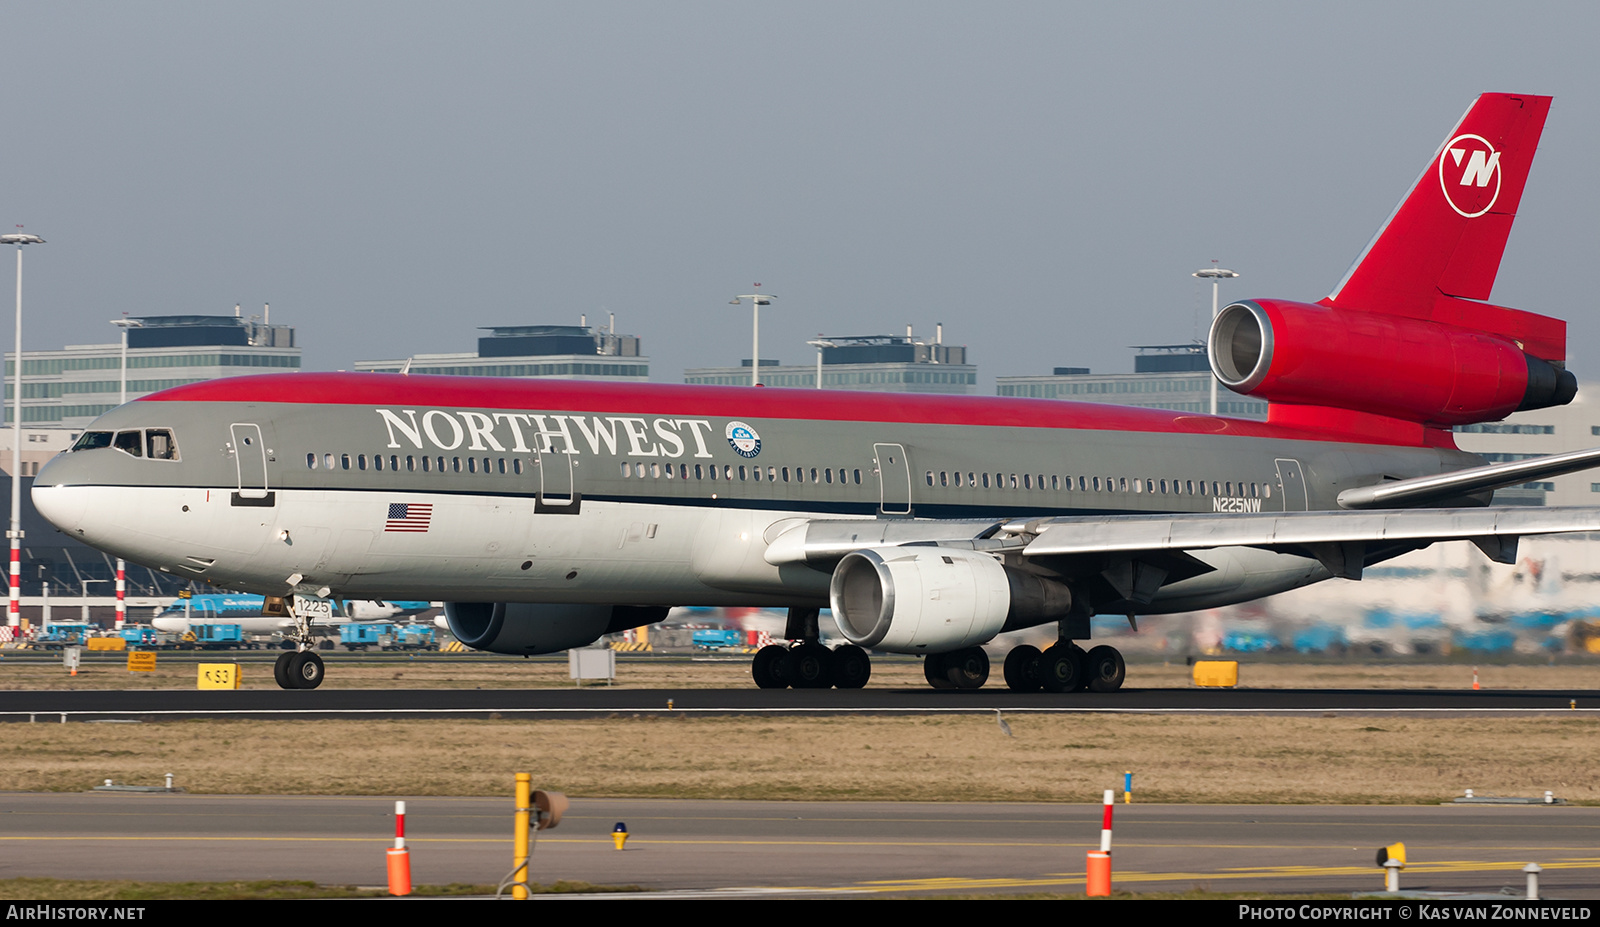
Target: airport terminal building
<point x="1176" y="377"/>
<point x="568" y="352"/>
<point x="67" y="389"/>
<point x="877" y="363"/>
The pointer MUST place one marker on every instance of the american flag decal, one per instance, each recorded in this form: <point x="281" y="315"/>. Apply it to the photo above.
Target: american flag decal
<point x="409" y="516"/>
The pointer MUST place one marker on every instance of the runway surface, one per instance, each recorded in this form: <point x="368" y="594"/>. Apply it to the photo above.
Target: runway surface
<point x="779" y="849"/>
<point x="600" y="702"/>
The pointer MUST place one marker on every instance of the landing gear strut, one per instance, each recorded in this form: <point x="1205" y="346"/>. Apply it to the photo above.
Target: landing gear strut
<point x="808" y="664"/>
<point x="299" y="668"/>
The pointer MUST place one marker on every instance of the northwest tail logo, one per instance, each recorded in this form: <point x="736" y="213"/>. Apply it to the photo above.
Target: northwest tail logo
<point x="1469" y="173"/>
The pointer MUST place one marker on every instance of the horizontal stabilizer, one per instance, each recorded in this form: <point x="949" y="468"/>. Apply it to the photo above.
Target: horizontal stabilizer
<point x="1424" y="490"/>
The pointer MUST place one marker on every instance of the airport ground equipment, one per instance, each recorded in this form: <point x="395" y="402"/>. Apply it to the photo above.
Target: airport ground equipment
<point x="141" y="636"/>
<point x="61" y="634"/>
<point x="591" y="663"/>
<point x="1219" y="674"/>
<point x="222" y="637"/>
<point x="717" y="638"/>
<point x="364" y="635"/>
<point x="412" y="637"/>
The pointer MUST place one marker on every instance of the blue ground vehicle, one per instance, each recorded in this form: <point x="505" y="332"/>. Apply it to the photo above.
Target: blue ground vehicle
<point x="414" y="637"/>
<point x="221" y="637"/>
<point x="364" y="635"/>
<point x="717" y="638"/>
<point x="61" y="634"/>
<point x="138" y="635"/>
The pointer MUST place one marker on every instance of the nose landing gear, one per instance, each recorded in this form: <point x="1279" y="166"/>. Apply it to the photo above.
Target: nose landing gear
<point x="299" y="668"/>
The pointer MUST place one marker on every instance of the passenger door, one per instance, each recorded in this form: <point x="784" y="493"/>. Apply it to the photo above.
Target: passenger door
<point x="250" y="463"/>
<point x="894" y="479"/>
<point x="1292" y="483"/>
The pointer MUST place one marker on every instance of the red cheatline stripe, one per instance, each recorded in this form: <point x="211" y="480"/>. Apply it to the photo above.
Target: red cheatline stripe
<point x="435" y="392"/>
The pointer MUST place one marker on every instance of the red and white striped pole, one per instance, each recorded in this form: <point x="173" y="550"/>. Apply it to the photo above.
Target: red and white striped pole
<point x="122" y="592"/>
<point x="14" y="610"/>
<point x="1099" y="881"/>
<point x="399" y="857"/>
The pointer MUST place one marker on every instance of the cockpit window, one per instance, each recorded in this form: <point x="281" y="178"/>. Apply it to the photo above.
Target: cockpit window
<point x="90" y="440"/>
<point x="154" y="443"/>
<point x="130" y="442"/>
<point x="159" y="444"/>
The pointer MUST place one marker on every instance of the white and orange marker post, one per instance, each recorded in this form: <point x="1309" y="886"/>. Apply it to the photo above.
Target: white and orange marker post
<point x="1475" y="679"/>
<point x="1099" y="883"/>
<point x="399" y="856"/>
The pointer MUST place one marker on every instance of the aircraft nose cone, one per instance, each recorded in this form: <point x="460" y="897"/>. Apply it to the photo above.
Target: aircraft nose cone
<point x="63" y="506"/>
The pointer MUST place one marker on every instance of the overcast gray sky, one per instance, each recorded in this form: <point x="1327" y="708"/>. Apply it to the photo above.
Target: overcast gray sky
<point x="1041" y="177"/>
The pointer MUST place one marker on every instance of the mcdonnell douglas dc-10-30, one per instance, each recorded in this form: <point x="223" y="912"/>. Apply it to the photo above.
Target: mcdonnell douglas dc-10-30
<point x="547" y="513"/>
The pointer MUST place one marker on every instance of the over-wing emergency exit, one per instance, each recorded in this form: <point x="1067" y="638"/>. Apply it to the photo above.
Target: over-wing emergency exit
<point x="548" y="513"/>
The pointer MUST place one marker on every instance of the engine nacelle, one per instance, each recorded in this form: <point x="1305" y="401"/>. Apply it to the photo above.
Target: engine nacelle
<point x="526" y="628"/>
<point x="1415" y="370"/>
<point x="935" y="599"/>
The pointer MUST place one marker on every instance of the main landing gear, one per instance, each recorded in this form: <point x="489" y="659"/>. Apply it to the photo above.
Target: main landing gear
<point x="299" y="668"/>
<point x="808" y="664"/>
<point x="967" y="668"/>
<point x="1064" y="667"/>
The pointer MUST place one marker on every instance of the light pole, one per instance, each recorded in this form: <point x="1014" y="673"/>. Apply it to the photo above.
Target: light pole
<point x="84" y="584"/>
<point x="819" y="344"/>
<point x="123" y="323"/>
<point x="1216" y="275"/>
<point x="757" y="300"/>
<point x="14" y="610"/>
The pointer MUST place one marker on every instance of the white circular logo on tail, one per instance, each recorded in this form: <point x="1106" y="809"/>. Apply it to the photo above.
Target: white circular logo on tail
<point x="743" y="439"/>
<point x="1469" y="174"/>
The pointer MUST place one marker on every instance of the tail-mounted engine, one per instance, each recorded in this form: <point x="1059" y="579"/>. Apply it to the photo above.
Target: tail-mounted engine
<point x="1416" y="370"/>
<point x="935" y="599"/>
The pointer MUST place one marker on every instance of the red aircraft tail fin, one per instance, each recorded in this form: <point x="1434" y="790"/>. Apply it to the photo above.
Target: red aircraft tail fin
<point x="1441" y="247"/>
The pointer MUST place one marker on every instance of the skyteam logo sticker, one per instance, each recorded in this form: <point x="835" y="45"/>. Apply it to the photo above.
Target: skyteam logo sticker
<point x="743" y="439"/>
<point x="1469" y="173"/>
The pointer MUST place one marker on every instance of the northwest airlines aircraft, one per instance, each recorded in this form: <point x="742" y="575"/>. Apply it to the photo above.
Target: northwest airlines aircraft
<point x="548" y="513"/>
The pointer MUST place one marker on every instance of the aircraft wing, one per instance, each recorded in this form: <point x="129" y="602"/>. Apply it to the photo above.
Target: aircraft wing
<point x="1339" y="539"/>
<point x="1424" y="490"/>
<point x="1118" y="533"/>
